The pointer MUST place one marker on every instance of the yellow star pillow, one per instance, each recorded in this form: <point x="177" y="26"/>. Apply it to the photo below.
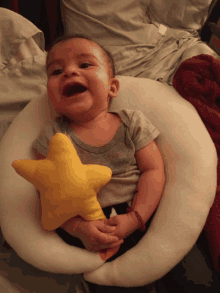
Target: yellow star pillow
<point x="67" y="187"/>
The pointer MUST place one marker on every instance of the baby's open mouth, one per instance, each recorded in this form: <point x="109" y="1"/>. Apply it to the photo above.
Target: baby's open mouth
<point x="72" y="89"/>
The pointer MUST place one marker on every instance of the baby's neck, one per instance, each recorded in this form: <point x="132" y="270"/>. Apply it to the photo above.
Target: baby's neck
<point x="102" y="119"/>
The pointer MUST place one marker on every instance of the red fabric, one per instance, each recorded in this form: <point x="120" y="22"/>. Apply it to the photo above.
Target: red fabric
<point x="13" y="5"/>
<point x="198" y="81"/>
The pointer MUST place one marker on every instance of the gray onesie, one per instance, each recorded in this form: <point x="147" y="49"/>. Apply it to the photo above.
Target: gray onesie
<point x="134" y="133"/>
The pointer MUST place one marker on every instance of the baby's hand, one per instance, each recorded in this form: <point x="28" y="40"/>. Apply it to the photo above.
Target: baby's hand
<point x="97" y="235"/>
<point x="126" y="224"/>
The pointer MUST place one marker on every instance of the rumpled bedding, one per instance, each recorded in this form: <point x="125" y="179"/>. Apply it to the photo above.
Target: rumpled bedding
<point x="190" y="15"/>
<point x="141" y="46"/>
<point x="22" y="63"/>
<point x="23" y="75"/>
<point x="198" y="81"/>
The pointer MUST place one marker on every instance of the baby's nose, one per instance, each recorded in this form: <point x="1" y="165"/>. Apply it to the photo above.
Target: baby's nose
<point x="71" y="70"/>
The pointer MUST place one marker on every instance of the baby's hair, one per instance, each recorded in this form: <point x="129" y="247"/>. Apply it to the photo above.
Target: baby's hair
<point x="78" y="36"/>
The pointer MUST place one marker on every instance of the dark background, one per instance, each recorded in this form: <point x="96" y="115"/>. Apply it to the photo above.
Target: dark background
<point x="37" y="12"/>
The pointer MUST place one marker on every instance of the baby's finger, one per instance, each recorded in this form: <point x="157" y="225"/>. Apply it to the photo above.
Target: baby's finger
<point x="118" y="243"/>
<point x="105" y="238"/>
<point x="107" y="253"/>
<point x="109" y="239"/>
<point x="111" y="245"/>
<point x="106" y="228"/>
<point x="111" y="222"/>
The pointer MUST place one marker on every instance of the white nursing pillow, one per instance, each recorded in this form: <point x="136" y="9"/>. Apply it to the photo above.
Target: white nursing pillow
<point x="190" y="162"/>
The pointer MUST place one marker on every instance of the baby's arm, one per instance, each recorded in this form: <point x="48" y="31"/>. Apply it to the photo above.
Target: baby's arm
<point x="152" y="180"/>
<point x="95" y="235"/>
<point x="149" y="191"/>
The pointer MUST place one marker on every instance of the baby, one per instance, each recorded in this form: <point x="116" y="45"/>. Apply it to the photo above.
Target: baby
<point x="81" y="85"/>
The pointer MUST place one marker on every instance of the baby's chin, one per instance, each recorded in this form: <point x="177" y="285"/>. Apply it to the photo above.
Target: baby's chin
<point x="73" y="113"/>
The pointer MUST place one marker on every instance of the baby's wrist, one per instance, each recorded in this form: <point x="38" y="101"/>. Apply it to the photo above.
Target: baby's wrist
<point x="137" y="218"/>
<point x="134" y="220"/>
<point x="72" y="226"/>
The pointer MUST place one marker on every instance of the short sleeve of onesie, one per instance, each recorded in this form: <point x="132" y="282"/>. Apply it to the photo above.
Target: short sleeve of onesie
<point x="141" y="130"/>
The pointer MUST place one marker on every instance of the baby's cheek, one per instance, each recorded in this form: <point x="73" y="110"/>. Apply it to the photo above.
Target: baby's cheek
<point x="51" y="86"/>
<point x="53" y="92"/>
<point x="53" y="98"/>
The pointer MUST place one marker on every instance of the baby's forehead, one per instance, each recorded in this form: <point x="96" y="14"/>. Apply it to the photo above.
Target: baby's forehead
<point x="80" y="47"/>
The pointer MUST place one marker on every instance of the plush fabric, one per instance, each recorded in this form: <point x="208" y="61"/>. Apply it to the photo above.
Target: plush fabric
<point x="198" y="81"/>
<point x="67" y="187"/>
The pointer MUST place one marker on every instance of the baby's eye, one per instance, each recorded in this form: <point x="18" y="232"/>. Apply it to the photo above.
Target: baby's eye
<point x="56" y="72"/>
<point x="85" y="65"/>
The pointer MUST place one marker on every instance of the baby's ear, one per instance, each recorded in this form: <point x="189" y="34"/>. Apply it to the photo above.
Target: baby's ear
<point x="114" y="88"/>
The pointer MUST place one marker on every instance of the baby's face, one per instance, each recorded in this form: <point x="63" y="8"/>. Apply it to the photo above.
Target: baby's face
<point x="79" y="84"/>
